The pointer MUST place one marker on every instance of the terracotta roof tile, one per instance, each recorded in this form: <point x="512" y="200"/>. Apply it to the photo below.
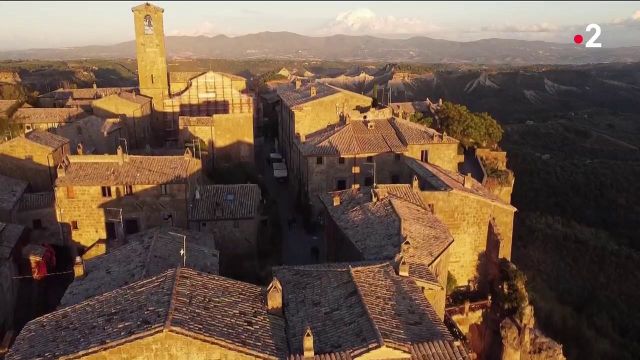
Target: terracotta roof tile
<point x="46" y="115"/>
<point x="378" y="229"/>
<point x="238" y="201"/>
<point x="354" y="308"/>
<point x="84" y="93"/>
<point x="46" y="138"/>
<point x="11" y="190"/>
<point x="371" y="136"/>
<point x="435" y="178"/>
<point x="85" y="170"/>
<point x="302" y="95"/>
<point x="207" y="307"/>
<point x="40" y="200"/>
<point x="439" y="350"/>
<point x="9" y="236"/>
<point x="147" y="254"/>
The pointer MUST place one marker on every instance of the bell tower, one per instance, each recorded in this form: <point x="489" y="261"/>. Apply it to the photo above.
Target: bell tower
<point x="150" y="53"/>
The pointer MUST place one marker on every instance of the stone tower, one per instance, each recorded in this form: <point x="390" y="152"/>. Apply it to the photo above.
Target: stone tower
<point x="151" y="54"/>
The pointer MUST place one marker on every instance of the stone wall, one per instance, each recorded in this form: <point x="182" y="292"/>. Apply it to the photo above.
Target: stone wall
<point x="467" y="217"/>
<point x="88" y="131"/>
<point x="447" y="156"/>
<point x="50" y="232"/>
<point x="148" y="206"/>
<point x="8" y="294"/>
<point x="28" y="161"/>
<point x="136" y="118"/>
<point x="232" y="237"/>
<point x="167" y="345"/>
<point x="233" y="136"/>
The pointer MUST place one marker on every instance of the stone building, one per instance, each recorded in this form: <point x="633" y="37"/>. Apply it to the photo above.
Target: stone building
<point x="135" y="114"/>
<point x="7" y="108"/>
<point x="33" y="158"/>
<point x="37" y="212"/>
<point x="224" y="98"/>
<point x="309" y="108"/>
<point x="77" y="98"/>
<point x="232" y="214"/>
<point x="12" y="239"/>
<point x="390" y="223"/>
<point x="480" y="222"/>
<point x="351" y="311"/>
<point x="11" y="191"/>
<point x="178" y="314"/>
<point x="94" y="135"/>
<point x="404" y="110"/>
<point x="145" y="255"/>
<point x="102" y="198"/>
<point x="308" y="312"/>
<point x="30" y="118"/>
<point x="361" y="152"/>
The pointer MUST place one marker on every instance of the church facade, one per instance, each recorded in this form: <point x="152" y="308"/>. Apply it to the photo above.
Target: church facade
<point x="210" y="112"/>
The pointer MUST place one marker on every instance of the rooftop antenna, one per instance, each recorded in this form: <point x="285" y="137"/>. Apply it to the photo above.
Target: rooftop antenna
<point x="183" y="251"/>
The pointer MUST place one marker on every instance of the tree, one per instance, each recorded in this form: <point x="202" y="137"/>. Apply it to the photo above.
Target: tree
<point x="471" y="129"/>
<point x="419" y="118"/>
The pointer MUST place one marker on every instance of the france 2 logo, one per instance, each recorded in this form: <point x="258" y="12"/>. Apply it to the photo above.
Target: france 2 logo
<point x="592" y="41"/>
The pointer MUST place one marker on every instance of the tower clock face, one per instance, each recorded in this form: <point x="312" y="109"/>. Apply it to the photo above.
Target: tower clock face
<point x="148" y="25"/>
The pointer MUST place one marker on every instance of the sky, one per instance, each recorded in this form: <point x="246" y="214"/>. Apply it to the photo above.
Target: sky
<point x="25" y="25"/>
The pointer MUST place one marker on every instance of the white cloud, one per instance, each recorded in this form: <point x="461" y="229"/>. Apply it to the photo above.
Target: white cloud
<point x="203" y="29"/>
<point x="365" y="21"/>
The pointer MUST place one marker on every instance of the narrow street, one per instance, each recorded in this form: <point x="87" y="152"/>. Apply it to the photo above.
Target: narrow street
<point x="297" y="244"/>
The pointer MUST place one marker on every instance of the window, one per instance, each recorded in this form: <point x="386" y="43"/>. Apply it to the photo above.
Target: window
<point x="128" y="190"/>
<point x="341" y="160"/>
<point x="236" y="224"/>
<point x="203" y="224"/>
<point x="152" y="78"/>
<point x="131" y="226"/>
<point x="341" y="184"/>
<point x="319" y="160"/>
<point x="368" y="181"/>
<point x="424" y="156"/>
<point x="395" y="179"/>
<point x="431" y="208"/>
<point x="398" y="157"/>
<point x="37" y="224"/>
<point x="164" y="188"/>
<point x="74" y="225"/>
<point x="106" y="191"/>
<point x="28" y="157"/>
<point x="148" y="25"/>
<point x="370" y="159"/>
<point x="71" y="193"/>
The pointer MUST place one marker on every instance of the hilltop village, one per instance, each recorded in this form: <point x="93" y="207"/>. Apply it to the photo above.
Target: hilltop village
<point x="365" y="235"/>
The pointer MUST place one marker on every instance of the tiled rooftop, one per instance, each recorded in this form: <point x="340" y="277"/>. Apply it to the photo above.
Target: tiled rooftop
<point x="11" y="190"/>
<point x="378" y="229"/>
<point x="239" y="201"/>
<point x="353" y="309"/>
<point x="9" y="236"/>
<point x="86" y="170"/>
<point x="46" y="138"/>
<point x="135" y="98"/>
<point x="435" y="178"/>
<point x="147" y="254"/>
<point x="84" y="93"/>
<point x="371" y="136"/>
<point x="46" y="115"/>
<point x="302" y="95"/>
<point x="208" y="307"/>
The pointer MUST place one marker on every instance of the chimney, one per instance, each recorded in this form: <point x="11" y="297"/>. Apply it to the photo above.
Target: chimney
<point x="403" y="267"/>
<point x="467" y="304"/>
<point x="307" y="344"/>
<point x="374" y="196"/>
<point x="61" y="170"/>
<point x="95" y="86"/>
<point x="187" y="154"/>
<point x="120" y="155"/>
<point x="415" y="183"/>
<point x="467" y="181"/>
<point x="406" y="245"/>
<point x="313" y="91"/>
<point x="80" y="149"/>
<point x="274" y="297"/>
<point x="217" y="210"/>
<point x="336" y="199"/>
<point x="298" y="83"/>
<point x="197" y="195"/>
<point x="78" y="268"/>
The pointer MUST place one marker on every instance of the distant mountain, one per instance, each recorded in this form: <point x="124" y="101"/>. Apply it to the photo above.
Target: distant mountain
<point x="286" y="45"/>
